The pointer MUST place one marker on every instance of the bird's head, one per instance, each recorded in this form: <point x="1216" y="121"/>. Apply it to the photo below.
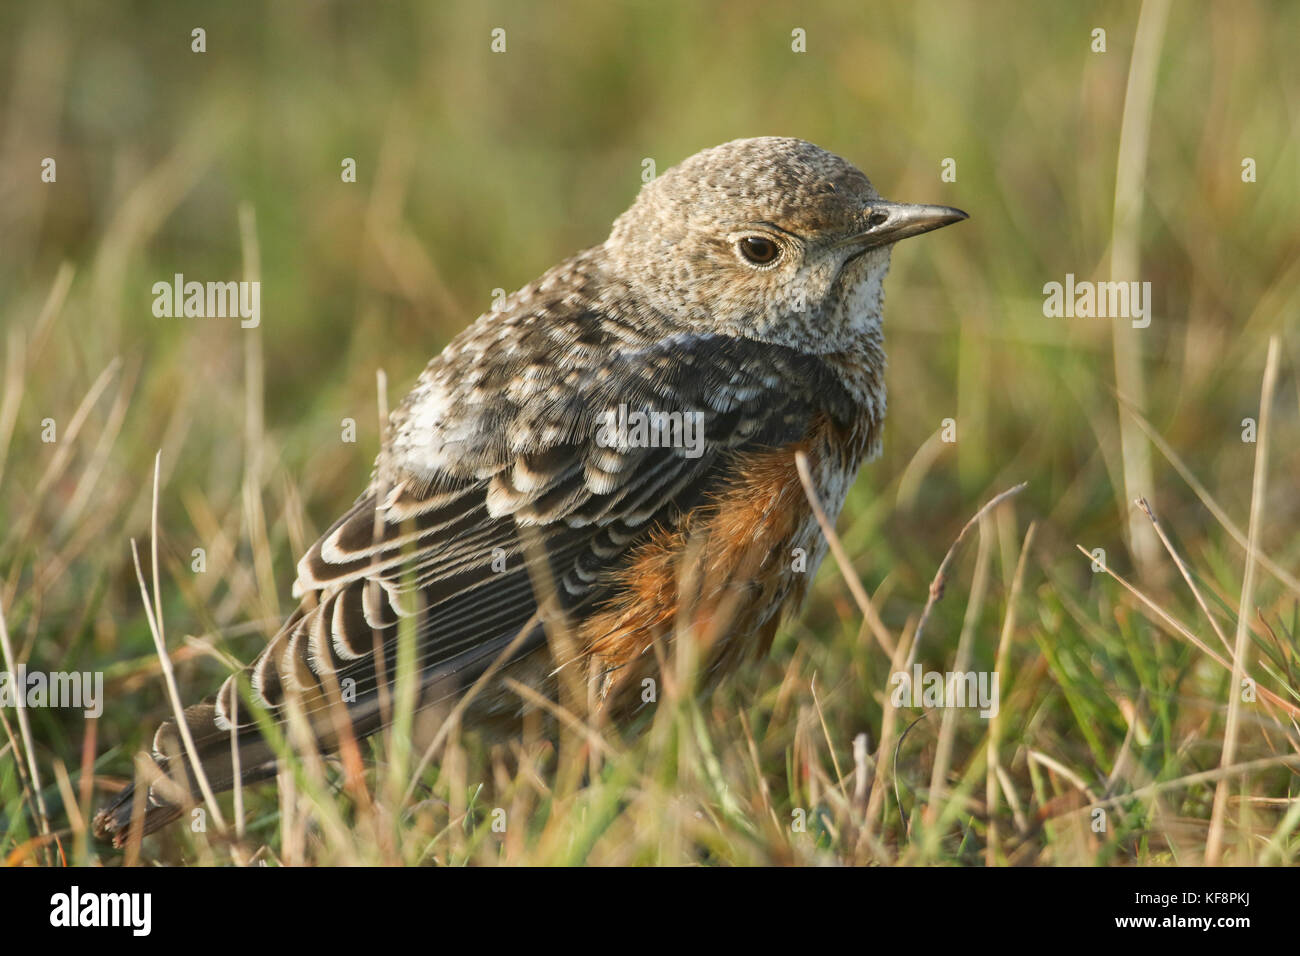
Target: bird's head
<point x="770" y="238"/>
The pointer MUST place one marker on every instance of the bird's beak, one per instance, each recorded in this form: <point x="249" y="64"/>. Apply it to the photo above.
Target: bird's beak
<point x="890" y="221"/>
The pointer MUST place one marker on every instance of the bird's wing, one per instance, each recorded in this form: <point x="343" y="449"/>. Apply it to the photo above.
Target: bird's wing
<point x="447" y="545"/>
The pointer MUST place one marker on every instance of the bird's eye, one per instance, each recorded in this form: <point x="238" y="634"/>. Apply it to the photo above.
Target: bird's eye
<point x="759" y="250"/>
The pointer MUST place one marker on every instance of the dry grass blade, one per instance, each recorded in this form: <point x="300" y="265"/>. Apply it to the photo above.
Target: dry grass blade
<point x="1214" y="844"/>
<point x="826" y="734"/>
<point x="991" y="788"/>
<point x="1053" y="764"/>
<point x="1185" y="572"/>
<point x="945" y="566"/>
<point x="882" y="635"/>
<point x="1135" y="131"/>
<point x="164" y="660"/>
<point x="943" y="751"/>
<point x="1182" y="783"/>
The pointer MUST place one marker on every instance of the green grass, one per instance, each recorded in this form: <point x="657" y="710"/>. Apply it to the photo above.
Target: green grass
<point x="476" y="172"/>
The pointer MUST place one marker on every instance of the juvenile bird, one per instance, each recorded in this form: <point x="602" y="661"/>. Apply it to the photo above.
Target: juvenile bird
<point x="603" y="463"/>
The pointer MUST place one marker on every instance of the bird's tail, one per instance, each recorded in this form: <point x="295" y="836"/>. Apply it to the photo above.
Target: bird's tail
<point x="167" y="789"/>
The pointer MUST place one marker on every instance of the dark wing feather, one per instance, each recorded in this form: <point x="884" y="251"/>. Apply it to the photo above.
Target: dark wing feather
<point x="447" y="547"/>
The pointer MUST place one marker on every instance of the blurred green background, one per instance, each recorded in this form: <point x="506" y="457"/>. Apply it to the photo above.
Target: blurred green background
<point x="478" y="170"/>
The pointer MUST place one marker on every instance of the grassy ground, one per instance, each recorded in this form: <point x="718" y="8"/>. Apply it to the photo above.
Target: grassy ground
<point x="1119" y="684"/>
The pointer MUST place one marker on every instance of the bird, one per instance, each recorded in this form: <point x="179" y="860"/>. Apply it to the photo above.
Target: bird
<point x="604" y="463"/>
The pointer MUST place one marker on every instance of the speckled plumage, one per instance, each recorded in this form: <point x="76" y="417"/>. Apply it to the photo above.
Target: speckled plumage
<point x="496" y="447"/>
